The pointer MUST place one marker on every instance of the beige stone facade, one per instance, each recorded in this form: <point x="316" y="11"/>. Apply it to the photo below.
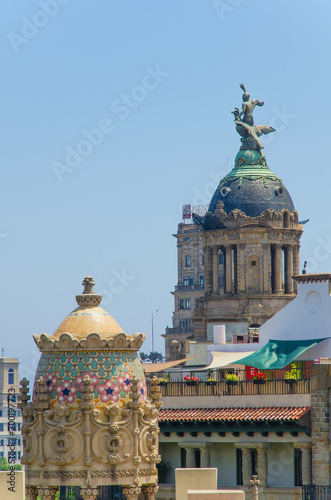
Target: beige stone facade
<point x="238" y="275"/>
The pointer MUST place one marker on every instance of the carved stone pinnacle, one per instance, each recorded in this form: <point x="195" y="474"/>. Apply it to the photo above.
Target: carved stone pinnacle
<point x="88" y="297"/>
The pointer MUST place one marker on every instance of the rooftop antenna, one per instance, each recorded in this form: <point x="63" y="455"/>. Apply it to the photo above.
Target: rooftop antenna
<point x="2" y="351"/>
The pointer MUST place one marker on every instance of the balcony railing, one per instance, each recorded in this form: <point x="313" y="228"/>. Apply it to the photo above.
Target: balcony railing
<point x="314" y="492"/>
<point x="179" y="330"/>
<point x="188" y="288"/>
<point x="241" y="388"/>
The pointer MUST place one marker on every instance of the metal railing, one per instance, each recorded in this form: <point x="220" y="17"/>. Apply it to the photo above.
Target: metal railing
<point x="240" y="388"/>
<point x="316" y="492"/>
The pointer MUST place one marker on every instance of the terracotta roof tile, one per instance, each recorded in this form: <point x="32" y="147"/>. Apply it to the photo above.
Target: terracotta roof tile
<point x="233" y="414"/>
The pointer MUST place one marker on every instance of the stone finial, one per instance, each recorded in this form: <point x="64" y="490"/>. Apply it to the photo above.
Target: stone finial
<point x="87" y="394"/>
<point x="134" y="404"/>
<point x="24" y="397"/>
<point x="88" y="297"/>
<point x="255" y="482"/>
<point x="41" y="397"/>
<point x="155" y="393"/>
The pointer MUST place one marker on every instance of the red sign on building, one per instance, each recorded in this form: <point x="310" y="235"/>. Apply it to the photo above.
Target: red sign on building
<point x="187" y="212"/>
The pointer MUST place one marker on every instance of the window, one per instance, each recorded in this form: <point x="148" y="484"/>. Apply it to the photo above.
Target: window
<point x="0" y="413"/>
<point x="12" y="427"/>
<point x="187" y="261"/>
<point x="1" y="454"/>
<point x="1" y="427"/>
<point x="182" y="458"/>
<point x="181" y="304"/>
<point x="254" y="462"/>
<point x="19" y="455"/>
<point x="203" y="259"/>
<point x="188" y="304"/>
<point x="11" y="456"/>
<point x="187" y="323"/>
<point x="18" y="427"/>
<point x="1" y="442"/>
<point x="18" y="413"/>
<point x="182" y="323"/>
<point x="191" y="280"/>
<point x="202" y="280"/>
<point x="297" y="467"/>
<point x="196" y="303"/>
<point x="239" y="460"/>
<point x="10" y="376"/>
<point x="19" y="442"/>
<point x="197" y="454"/>
<point x="187" y="239"/>
<point x="220" y="258"/>
<point x="11" y="442"/>
<point x="185" y="280"/>
<point x="253" y="262"/>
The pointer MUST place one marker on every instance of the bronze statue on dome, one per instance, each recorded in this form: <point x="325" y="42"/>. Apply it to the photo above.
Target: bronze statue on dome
<point x="244" y="121"/>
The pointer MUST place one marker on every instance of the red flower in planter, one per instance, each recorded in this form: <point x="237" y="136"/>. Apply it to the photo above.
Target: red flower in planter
<point x="260" y="376"/>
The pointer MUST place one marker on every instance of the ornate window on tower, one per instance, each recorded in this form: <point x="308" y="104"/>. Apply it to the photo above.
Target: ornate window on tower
<point x="187" y="261"/>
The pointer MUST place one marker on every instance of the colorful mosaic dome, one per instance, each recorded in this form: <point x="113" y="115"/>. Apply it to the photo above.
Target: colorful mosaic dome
<point x="90" y="343"/>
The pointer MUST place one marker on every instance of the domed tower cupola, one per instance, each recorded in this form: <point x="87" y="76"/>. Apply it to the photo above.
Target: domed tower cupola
<point x="90" y="422"/>
<point x="251" y="236"/>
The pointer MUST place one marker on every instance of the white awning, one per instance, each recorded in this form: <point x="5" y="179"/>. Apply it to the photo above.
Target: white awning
<point x="223" y="359"/>
<point x="158" y="367"/>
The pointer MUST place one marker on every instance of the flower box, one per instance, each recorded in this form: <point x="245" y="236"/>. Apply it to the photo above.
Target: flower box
<point x="191" y="382"/>
<point x="232" y="382"/>
<point x="259" y="382"/>
<point x="211" y="382"/>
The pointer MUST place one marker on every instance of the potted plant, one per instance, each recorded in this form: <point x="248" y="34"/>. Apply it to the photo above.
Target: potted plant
<point x="191" y="380"/>
<point x="164" y="381"/>
<point x="231" y="378"/>
<point x="260" y="378"/>
<point x="293" y="375"/>
<point x="211" y="380"/>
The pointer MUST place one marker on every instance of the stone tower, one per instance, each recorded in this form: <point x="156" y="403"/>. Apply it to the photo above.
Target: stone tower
<point x="250" y="240"/>
<point x="90" y="423"/>
<point x="252" y="222"/>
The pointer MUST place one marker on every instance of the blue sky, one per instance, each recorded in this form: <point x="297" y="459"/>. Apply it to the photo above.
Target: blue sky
<point x="158" y="80"/>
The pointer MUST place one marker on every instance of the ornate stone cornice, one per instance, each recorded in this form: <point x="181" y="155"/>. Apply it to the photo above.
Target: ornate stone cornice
<point x="92" y="342"/>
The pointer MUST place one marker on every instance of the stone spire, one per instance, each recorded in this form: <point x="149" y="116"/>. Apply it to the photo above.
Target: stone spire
<point x="88" y="297"/>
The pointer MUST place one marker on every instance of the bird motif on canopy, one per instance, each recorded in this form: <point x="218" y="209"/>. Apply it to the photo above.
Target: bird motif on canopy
<point x="244" y="121"/>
